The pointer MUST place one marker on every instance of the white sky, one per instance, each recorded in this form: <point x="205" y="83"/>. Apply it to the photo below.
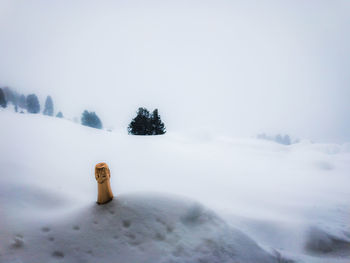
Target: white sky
<point x="210" y="67"/>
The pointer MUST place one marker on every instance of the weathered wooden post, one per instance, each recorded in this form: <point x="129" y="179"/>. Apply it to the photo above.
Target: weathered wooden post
<point x="102" y="175"/>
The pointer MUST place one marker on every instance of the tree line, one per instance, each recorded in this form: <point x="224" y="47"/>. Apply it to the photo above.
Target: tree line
<point x="30" y="103"/>
<point x="145" y="123"/>
<point x="279" y="138"/>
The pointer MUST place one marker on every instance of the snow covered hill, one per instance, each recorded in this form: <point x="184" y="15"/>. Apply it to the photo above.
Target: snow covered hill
<point x="272" y="202"/>
<point x="134" y="228"/>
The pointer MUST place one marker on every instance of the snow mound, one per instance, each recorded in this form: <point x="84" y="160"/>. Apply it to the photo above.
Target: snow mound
<point x="273" y="193"/>
<point x="135" y="228"/>
<point x="321" y="243"/>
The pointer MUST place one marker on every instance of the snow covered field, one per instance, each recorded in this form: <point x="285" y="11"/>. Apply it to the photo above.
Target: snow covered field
<point x="260" y="201"/>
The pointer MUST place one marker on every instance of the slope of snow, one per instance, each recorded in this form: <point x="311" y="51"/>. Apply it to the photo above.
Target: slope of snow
<point x="291" y="200"/>
<point x="133" y="228"/>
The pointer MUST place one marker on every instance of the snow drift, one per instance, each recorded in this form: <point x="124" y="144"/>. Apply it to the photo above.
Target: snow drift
<point x="288" y="202"/>
<point x="134" y="228"/>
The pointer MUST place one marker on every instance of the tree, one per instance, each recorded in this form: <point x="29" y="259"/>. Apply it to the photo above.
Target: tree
<point x="158" y="126"/>
<point x="90" y="119"/>
<point x="287" y="140"/>
<point x="146" y="124"/>
<point x="3" y="102"/>
<point x="59" y="115"/>
<point x="11" y="96"/>
<point x="48" y="110"/>
<point x="283" y="139"/>
<point x="32" y="102"/>
<point x="141" y="124"/>
<point x="22" y="101"/>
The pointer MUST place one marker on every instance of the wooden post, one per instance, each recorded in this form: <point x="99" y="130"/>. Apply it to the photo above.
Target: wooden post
<point x="102" y="175"/>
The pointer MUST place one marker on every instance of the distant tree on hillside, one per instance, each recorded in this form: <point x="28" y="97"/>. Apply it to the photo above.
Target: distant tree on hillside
<point x="22" y="101"/>
<point x="146" y="124"/>
<point x="158" y="126"/>
<point x="48" y="110"/>
<point x="33" y="105"/>
<point x="283" y="139"/>
<point x="3" y="102"/>
<point x="141" y="124"/>
<point x="90" y="119"/>
<point x="11" y="96"/>
<point x="59" y="115"/>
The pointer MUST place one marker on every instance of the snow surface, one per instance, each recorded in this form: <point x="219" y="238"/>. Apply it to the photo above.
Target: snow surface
<point x="272" y="203"/>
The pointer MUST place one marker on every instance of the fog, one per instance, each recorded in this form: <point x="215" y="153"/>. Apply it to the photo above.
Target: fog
<point x="234" y="68"/>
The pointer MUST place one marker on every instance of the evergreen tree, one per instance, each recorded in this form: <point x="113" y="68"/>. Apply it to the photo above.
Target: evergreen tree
<point x="3" y="102"/>
<point x="90" y="119"/>
<point x="48" y="110"/>
<point x="158" y="126"/>
<point x="141" y="124"/>
<point x="283" y="139"/>
<point x="286" y="140"/>
<point x="146" y="124"/>
<point x="11" y="96"/>
<point x="59" y="115"/>
<point x="278" y="139"/>
<point x="32" y="102"/>
<point x="22" y="101"/>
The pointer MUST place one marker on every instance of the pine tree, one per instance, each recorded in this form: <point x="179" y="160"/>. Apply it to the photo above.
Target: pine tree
<point x="90" y="119"/>
<point x="158" y="126"/>
<point x="59" y="115"/>
<point x="283" y="139"/>
<point x="141" y="124"/>
<point x="11" y="96"/>
<point x="22" y="101"/>
<point x="3" y="102"/>
<point x="32" y="102"/>
<point x="48" y="110"/>
<point x="286" y="140"/>
<point x="146" y="124"/>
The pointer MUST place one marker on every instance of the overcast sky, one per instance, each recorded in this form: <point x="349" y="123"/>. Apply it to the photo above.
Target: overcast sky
<point x="220" y="67"/>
